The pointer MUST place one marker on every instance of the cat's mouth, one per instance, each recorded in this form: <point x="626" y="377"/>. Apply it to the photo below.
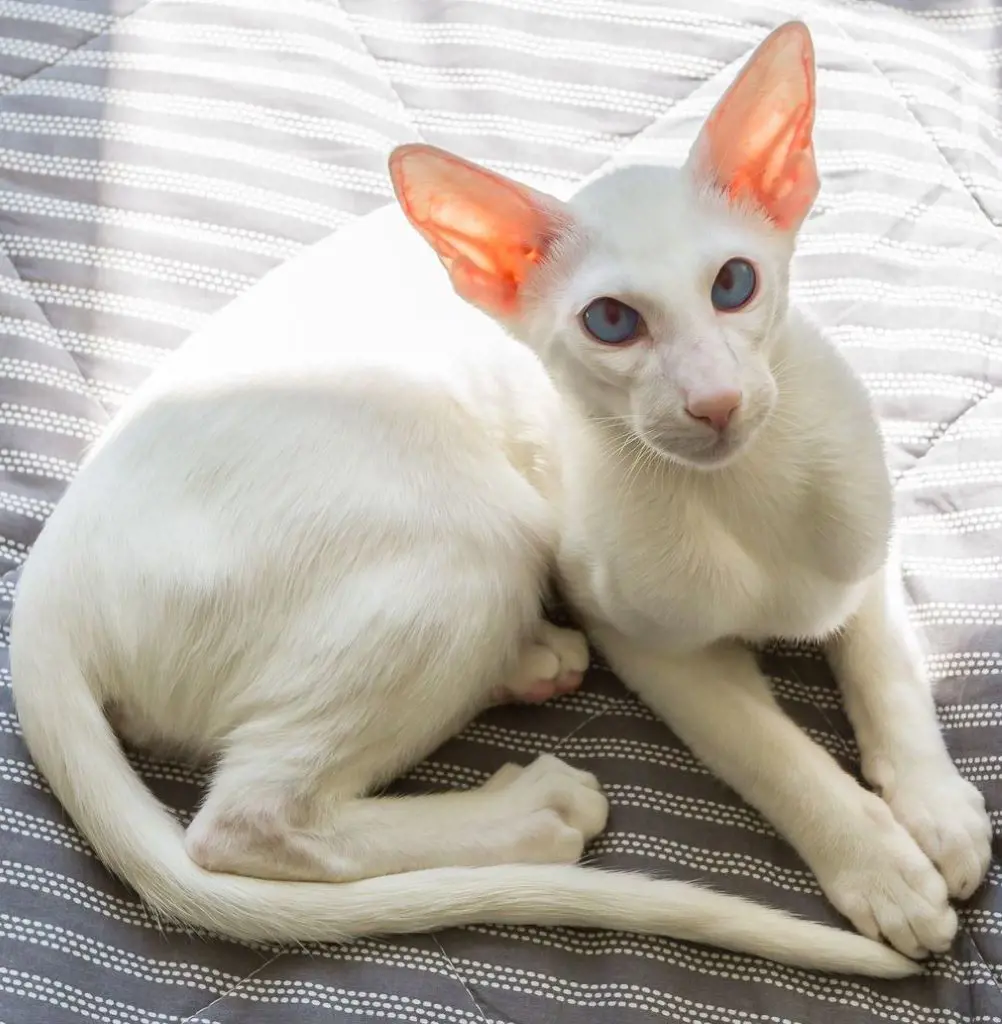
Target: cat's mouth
<point x="697" y="453"/>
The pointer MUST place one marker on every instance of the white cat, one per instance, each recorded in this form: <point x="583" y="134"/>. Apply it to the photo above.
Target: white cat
<point x="314" y="545"/>
<point x="725" y="481"/>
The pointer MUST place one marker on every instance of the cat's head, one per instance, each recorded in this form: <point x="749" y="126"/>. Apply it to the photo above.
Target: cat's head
<point x="655" y="294"/>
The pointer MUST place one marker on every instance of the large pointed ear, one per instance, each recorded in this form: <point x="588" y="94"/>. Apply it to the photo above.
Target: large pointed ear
<point x="489" y="232"/>
<point x="756" y="145"/>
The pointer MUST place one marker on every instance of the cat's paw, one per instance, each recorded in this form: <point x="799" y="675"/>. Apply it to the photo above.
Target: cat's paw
<point x="554" y="809"/>
<point x="888" y="888"/>
<point x="552" y="666"/>
<point x="947" y="817"/>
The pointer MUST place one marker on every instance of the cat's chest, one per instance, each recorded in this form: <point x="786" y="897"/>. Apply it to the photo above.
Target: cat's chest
<point x="688" y="577"/>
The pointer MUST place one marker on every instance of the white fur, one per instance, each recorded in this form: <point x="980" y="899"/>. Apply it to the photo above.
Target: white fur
<point x="679" y="548"/>
<point x="311" y="548"/>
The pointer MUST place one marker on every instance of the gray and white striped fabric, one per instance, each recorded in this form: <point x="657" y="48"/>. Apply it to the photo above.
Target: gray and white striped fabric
<point x="157" y="158"/>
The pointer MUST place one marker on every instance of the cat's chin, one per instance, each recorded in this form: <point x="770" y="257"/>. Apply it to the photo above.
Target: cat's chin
<point x="718" y="455"/>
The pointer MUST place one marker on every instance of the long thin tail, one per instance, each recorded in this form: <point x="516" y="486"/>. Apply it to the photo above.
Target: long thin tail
<point x="136" y="837"/>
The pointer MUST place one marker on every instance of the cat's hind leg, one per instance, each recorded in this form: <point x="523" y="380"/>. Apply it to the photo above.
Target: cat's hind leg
<point x="284" y="819"/>
<point x="291" y="794"/>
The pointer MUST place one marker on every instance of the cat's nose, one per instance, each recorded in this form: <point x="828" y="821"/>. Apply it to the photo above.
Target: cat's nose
<point x="714" y="408"/>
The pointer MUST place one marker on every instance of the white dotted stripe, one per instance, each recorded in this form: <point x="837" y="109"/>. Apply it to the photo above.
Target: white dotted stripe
<point x="906" y="433"/>
<point x="835" y="131"/>
<point x="644" y="15"/>
<point x="36" y="464"/>
<point x="574" y="747"/>
<point x="213" y="109"/>
<point x="174" y="271"/>
<point x="310" y="169"/>
<point x="31" y="827"/>
<point x="191" y="974"/>
<point x="678" y="805"/>
<point x="893" y="53"/>
<point x="913" y="339"/>
<point x="913" y="255"/>
<point x="36" y="373"/>
<point x="156" y="179"/>
<point x="523" y="87"/>
<point x="982" y="922"/>
<point x="942" y="385"/>
<point x="581" y="95"/>
<point x="82" y="344"/>
<point x="25" y="773"/>
<point x="125" y="261"/>
<point x="979" y="770"/>
<point x="30" y="508"/>
<point x="943" y="433"/>
<point x="796" y="691"/>
<point x="602" y="704"/>
<point x="186" y="974"/>
<point x="722" y="862"/>
<point x="902" y="209"/>
<point x="451" y="776"/>
<point x="971" y="716"/>
<point x="957" y="613"/>
<point x="198" y="232"/>
<point x="250" y="990"/>
<point x="30" y="49"/>
<point x="12" y="551"/>
<point x="958" y="474"/>
<point x="867" y="161"/>
<point x="206" y="147"/>
<point x="918" y="296"/>
<point x="965" y="663"/>
<point x="588" y="52"/>
<point x="579" y="139"/>
<point x="987" y="567"/>
<point x="99" y="301"/>
<point x="51" y="883"/>
<point x="710" y="963"/>
<point x="330" y="88"/>
<point x="251" y="41"/>
<point x="144" y="356"/>
<point x="51" y="14"/>
<point x="958" y="523"/>
<point x="976" y="119"/>
<point x="39" y="373"/>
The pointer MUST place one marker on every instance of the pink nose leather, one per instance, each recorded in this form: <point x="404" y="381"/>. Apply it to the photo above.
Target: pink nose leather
<point x="715" y="408"/>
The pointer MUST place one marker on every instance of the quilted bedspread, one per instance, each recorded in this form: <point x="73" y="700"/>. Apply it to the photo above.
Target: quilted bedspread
<point x="158" y="157"/>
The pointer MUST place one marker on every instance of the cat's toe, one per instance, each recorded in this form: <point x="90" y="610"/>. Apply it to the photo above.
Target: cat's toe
<point x="569" y="645"/>
<point x="552" y="797"/>
<point x="947" y="817"/>
<point x="552" y="666"/>
<point x="888" y="888"/>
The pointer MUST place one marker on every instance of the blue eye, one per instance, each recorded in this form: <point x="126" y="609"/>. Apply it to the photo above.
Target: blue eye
<point x="612" y="322"/>
<point x="734" y="286"/>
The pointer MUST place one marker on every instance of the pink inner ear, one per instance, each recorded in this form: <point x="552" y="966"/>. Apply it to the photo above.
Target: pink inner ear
<point x="757" y="142"/>
<point x="487" y="230"/>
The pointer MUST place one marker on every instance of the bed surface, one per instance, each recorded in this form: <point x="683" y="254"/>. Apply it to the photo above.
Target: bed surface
<point x="157" y="158"/>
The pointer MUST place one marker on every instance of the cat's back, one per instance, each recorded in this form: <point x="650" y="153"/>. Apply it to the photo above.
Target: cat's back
<point x="338" y="418"/>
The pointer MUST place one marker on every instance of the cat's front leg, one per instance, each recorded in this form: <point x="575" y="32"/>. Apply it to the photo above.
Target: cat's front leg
<point x="720" y="704"/>
<point x="889" y="701"/>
